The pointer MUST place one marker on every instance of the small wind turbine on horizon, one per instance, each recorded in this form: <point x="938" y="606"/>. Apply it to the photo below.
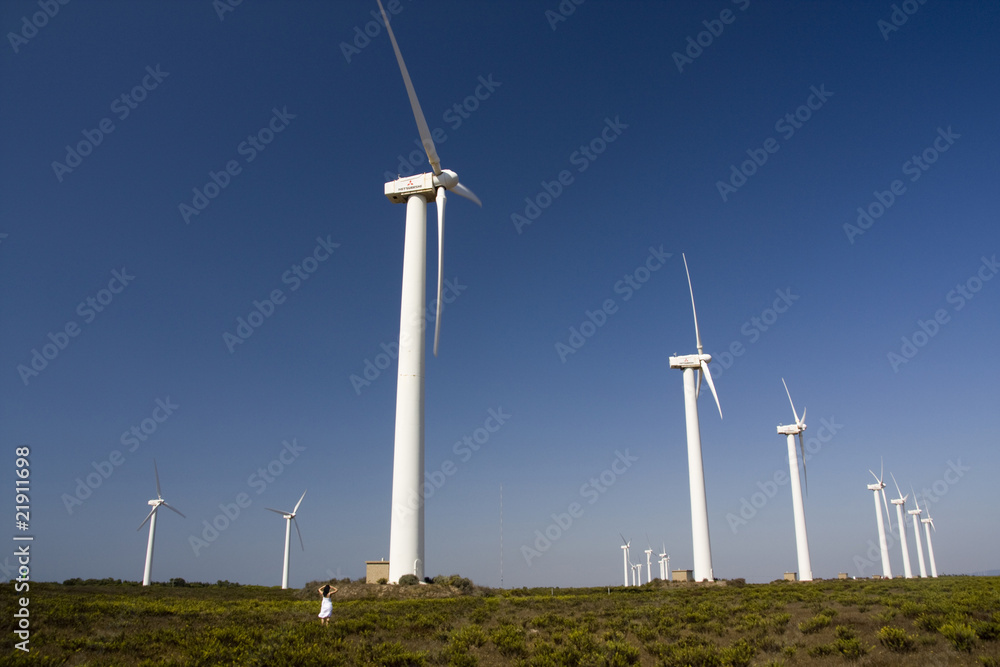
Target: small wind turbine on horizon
<point x="900" y="503"/>
<point x="879" y="487"/>
<point x="406" y="532"/>
<point x="649" y="567"/>
<point x="664" y="563"/>
<point x="701" y="544"/>
<point x="798" y="509"/>
<point x="928" y="524"/>
<point x="626" y="560"/>
<point x="289" y="519"/>
<point x="916" y="531"/>
<point x="151" y="518"/>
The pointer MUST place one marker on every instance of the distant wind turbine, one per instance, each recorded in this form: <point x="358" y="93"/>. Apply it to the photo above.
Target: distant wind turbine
<point x="916" y="531"/>
<point x="406" y="531"/>
<point x="900" y="503"/>
<point x="798" y="510"/>
<point x="649" y="567"/>
<point x="289" y="519"/>
<point x="664" y="563"/>
<point x="151" y="518"/>
<point x="928" y="524"/>
<point x="879" y="487"/>
<point x="702" y="546"/>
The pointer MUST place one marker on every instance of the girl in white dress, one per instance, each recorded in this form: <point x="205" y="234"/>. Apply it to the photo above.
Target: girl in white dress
<point x="326" y="608"/>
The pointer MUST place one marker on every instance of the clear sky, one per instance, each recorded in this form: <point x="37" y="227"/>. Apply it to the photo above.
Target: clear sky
<point x="199" y="266"/>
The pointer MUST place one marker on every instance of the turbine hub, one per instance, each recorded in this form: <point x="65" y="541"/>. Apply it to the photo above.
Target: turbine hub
<point x="447" y="178"/>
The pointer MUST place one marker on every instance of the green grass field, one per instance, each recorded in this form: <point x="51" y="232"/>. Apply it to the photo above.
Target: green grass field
<point x="945" y="621"/>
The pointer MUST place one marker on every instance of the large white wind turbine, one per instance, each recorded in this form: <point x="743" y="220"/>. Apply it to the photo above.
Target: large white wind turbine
<point x="916" y="531"/>
<point x="798" y="510"/>
<point x="702" y="546"/>
<point x="879" y="487"/>
<point x="151" y="518"/>
<point x="289" y="519"/>
<point x="625" y="559"/>
<point x="406" y="534"/>
<point x="900" y="503"/>
<point x="928" y="524"/>
<point x="649" y="566"/>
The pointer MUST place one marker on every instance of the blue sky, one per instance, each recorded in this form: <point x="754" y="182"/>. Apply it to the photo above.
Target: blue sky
<point x="750" y="147"/>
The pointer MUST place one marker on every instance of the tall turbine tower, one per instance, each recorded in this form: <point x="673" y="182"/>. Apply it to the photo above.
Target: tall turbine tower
<point x="406" y="533"/>
<point x="289" y="519"/>
<point x="928" y="524"/>
<point x="916" y="531"/>
<point x="649" y="567"/>
<point x="900" y="503"/>
<point x="702" y="546"/>
<point x="625" y="559"/>
<point x="879" y="487"/>
<point x="151" y="518"/>
<point x="798" y="510"/>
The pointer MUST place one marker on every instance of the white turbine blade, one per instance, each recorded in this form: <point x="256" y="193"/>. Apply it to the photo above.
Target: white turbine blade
<point x="441" y="198"/>
<point x="172" y="508"/>
<point x="917" y="503"/>
<point x="299" y="503"/>
<point x="803" y="416"/>
<point x="463" y="191"/>
<point x="697" y="336"/>
<point x="151" y="513"/>
<point x="874" y="475"/>
<point x="301" y="544"/>
<point x="697" y="388"/>
<point x="418" y="114"/>
<point x="711" y="385"/>
<point x="157" y="473"/>
<point x="802" y="449"/>
<point x="888" y="517"/>
<point x="792" y="403"/>
<point x="276" y="511"/>
<point x="897" y="486"/>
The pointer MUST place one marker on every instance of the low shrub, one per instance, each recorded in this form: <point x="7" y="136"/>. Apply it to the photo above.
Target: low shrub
<point x="961" y="635"/>
<point x="896" y="639"/>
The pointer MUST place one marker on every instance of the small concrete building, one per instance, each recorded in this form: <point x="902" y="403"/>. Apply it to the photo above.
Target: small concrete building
<point x="791" y="576"/>
<point x="683" y="575"/>
<point x="375" y="570"/>
<point x="842" y="575"/>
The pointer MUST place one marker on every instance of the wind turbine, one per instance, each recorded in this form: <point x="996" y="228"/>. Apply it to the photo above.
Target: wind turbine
<point x="664" y="563"/>
<point x="798" y="510"/>
<point x="879" y="486"/>
<point x="625" y="558"/>
<point x="289" y="519"/>
<point x="900" y="503"/>
<point x="151" y="518"/>
<point x="916" y="530"/>
<point x="406" y="533"/>
<point x="649" y="567"/>
<point x="702" y="546"/>
<point x="928" y="524"/>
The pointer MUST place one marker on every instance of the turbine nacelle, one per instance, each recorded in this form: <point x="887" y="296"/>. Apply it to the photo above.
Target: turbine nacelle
<point x="791" y="429"/>
<point x="689" y="360"/>
<point x="876" y="487"/>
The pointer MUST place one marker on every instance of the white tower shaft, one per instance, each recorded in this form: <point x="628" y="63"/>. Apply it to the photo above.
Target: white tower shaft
<point x="148" y="570"/>
<point x="406" y="533"/>
<point x="702" y="546"/>
<point x="920" y="546"/>
<point x="907" y="570"/>
<point x="799" y="513"/>
<point x="883" y="546"/>
<point x="930" y="549"/>
<point x="284" y="569"/>
<point x="625" y="563"/>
